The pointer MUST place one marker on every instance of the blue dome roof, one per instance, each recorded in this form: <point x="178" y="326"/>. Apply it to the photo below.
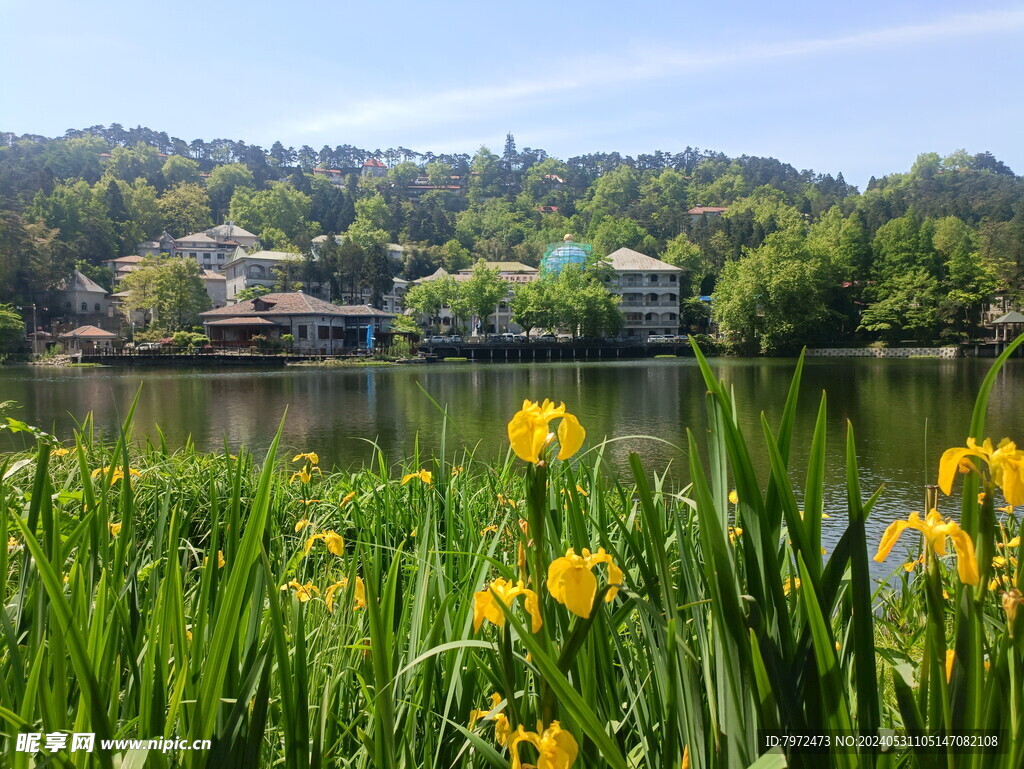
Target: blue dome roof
<point x="570" y="253"/>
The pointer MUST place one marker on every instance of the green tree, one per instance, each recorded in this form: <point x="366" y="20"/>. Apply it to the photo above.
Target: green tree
<point x="581" y="304"/>
<point x="612" y="233"/>
<point x="908" y="309"/>
<point x="81" y="216"/>
<point x="179" y="170"/>
<point x="279" y="215"/>
<point x="12" y="328"/>
<point x="682" y="253"/>
<point x="33" y="261"/>
<point x="427" y="298"/>
<point x="185" y="209"/>
<point x="485" y="171"/>
<point x="222" y="183"/>
<point x="170" y="287"/>
<point x="774" y="297"/>
<point x="253" y="292"/>
<point x="533" y="306"/>
<point x="130" y="163"/>
<point x="484" y="290"/>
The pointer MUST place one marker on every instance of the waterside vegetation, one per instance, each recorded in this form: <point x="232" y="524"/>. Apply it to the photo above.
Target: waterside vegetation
<point x="446" y="611"/>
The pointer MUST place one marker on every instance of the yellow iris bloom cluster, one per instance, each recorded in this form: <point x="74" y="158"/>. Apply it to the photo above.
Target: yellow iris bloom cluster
<point x="556" y="747"/>
<point x="310" y="459"/>
<point x="529" y="432"/>
<point x="502" y="728"/>
<point x="1005" y="462"/>
<point x="117" y="475"/>
<point x="487" y="603"/>
<point x="424" y="475"/>
<point x="935" y="530"/>
<point x="572" y="583"/>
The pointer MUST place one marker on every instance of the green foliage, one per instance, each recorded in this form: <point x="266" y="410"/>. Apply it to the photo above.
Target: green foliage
<point x="12" y="328"/>
<point x="482" y="292"/>
<point x="169" y="287"/>
<point x="252" y="292"/>
<point x="279" y="215"/>
<point x="185" y="209"/>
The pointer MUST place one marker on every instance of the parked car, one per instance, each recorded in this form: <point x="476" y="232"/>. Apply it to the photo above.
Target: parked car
<point x="455" y="338"/>
<point x="148" y="347"/>
<point x="508" y="338"/>
<point x="437" y="340"/>
<point x="660" y="338"/>
<point x="546" y="338"/>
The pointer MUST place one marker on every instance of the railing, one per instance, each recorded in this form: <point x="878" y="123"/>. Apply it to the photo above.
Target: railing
<point x="666" y="303"/>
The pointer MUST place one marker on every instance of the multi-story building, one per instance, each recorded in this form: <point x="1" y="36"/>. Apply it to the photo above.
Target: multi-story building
<point x="649" y="289"/>
<point x="263" y="268"/>
<point x="213" y="249"/>
<point x="499" y="321"/>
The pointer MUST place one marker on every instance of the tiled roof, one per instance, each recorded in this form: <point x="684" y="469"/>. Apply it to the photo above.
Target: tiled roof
<point x="696" y="210"/>
<point x="228" y="231"/>
<point x="211" y="275"/>
<point x="628" y="259"/>
<point x="133" y="259"/>
<point x="196" y="237"/>
<point x="1011" y="317"/>
<point x="374" y="163"/>
<point x="89" y="332"/>
<point x="293" y="304"/>
<point x="80" y="282"/>
<point x="251" y="321"/>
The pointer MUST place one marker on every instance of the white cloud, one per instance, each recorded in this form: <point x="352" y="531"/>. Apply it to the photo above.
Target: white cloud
<point x="452" y="106"/>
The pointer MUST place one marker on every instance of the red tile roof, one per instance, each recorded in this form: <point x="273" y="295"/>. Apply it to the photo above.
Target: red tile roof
<point x="374" y="162"/>
<point x="292" y="304"/>
<point x="88" y="332"/>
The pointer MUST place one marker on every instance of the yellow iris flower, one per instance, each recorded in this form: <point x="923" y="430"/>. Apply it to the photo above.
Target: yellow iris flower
<point x="303" y="475"/>
<point x="1005" y="462"/>
<point x="935" y="529"/>
<point x="571" y="580"/>
<point x="556" y="747"/>
<point x="342" y="584"/>
<point x="60" y="452"/>
<point x="424" y="475"/>
<point x="334" y="541"/>
<point x="502" y="728"/>
<point x="529" y="434"/>
<point x="117" y="475"/>
<point x="300" y="525"/>
<point x="487" y="603"/>
<point x="115" y="528"/>
<point x="310" y="456"/>
<point x="302" y="592"/>
<point x="348" y="498"/>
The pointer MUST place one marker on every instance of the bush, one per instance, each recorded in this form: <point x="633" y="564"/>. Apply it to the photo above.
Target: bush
<point x="189" y="339"/>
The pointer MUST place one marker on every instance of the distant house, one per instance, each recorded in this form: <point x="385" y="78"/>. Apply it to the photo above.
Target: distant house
<point x="83" y="296"/>
<point x="212" y="249"/>
<point x="333" y="175"/>
<point x="649" y="289"/>
<point x="261" y="269"/>
<point x="498" y="321"/>
<point x="88" y="339"/>
<point x="373" y="167"/>
<point x="162" y="245"/>
<point x="216" y="287"/>
<point x="315" y="325"/>
<point x="122" y="265"/>
<point x="699" y="213"/>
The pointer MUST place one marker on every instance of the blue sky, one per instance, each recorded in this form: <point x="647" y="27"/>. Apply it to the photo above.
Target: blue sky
<point x="861" y="88"/>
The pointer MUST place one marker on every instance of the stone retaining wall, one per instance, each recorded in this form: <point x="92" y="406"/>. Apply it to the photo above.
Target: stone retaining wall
<point x="885" y="352"/>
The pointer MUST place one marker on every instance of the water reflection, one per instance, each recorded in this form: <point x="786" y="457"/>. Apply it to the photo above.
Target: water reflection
<point x="905" y="412"/>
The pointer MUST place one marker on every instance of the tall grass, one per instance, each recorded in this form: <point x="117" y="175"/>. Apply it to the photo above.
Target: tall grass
<point x="180" y="601"/>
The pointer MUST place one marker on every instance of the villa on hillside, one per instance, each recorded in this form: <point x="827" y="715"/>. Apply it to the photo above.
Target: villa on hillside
<point x="649" y="289"/>
<point x="262" y="268"/>
<point x="316" y="326"/>
<point x="212" y="249"/>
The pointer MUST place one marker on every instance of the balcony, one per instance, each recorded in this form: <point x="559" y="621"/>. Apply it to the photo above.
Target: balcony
<point x="665" y="303"/>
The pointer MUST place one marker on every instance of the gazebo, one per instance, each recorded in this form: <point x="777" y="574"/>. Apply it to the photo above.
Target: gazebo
<point x="88" y="339"/>
<point x="1009" y="326"/>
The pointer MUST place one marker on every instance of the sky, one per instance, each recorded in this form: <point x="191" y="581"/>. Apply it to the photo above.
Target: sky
<point x="859" y="88"/>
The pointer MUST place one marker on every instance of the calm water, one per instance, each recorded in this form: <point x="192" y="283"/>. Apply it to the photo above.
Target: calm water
<point x="905" y="412"/>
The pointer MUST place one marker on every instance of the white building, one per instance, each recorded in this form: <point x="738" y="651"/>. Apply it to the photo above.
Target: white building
<point x="649" y="289"/>
<point x="83" y="296"/>
<point x="216" y="287"/>
<point x="261" y="269"/>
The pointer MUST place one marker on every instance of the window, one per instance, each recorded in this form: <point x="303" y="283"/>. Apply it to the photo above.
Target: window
<point x="337" y="332"/>
<point x="85" y="307"/>
<point x="97" y="306"/>
<point x="303" y="332"/>
<point x="323" y="332"/>
<point x="654" y="279"/>
<point x="671" y="278"/>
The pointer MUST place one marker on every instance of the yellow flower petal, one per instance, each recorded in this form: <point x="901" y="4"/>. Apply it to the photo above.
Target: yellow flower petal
<point x="734" y="498"/>
<point x="570" y="436"/>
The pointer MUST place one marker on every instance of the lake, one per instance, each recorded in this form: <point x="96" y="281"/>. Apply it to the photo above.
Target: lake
<point x="904" y="412"/>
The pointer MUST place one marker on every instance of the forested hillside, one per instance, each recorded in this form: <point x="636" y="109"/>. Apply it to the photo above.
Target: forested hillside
<point x="797" y="256"/>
